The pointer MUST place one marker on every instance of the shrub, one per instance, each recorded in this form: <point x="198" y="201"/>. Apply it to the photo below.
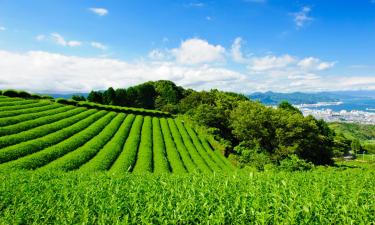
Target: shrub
<point x="293" y="163"/>
<point x="11" y="93"/>
<point x="24" y="94"/>
<point x="66" y="101"/>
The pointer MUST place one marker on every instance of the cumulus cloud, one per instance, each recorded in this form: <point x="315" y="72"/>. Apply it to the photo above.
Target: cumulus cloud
<point x="2" y="28"/>
<point x="302" y="17"/>
<point x="312" y="63"/>
<point x="49" y="72"/>
<point x="99" y="11"/>
<point x="271" y="62"/>
<point x="40" y="37"/>
<point x="59" y="39"/>
<point x="197" y="51"/>
<point x="98" y="45"/>
<point x="192" y="65"/>
<point x="236" y="52"/>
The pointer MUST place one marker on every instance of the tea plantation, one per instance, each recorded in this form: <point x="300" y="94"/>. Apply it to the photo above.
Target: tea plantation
<point x="42" y="135"/>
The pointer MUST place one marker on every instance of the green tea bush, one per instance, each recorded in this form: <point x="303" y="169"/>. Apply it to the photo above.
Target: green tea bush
<point x="54" y="109"/>
<point x="161" y="164"/>
<point x="79" y="156"/>
<point x="144" y="161"/>
<point x="184" y="153"/>
<point x="20" y="133"/>
<point x="108" y="155"/>
<point x="293" y="163"/>
<point x="126" y="160"/>
<point x="39" y="138"/>
<point x="174" y="158"/>
<point x="10" y="93"/>
<point x="25" y="106"/>
<point x="16" y="112"/>
<point x="54" y="145"/>
<point x="196" y="157"/>
<point x="66" y="101"/>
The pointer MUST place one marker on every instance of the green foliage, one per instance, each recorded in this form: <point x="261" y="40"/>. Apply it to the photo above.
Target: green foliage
<point x="24" y="106"/>
<point x="54" y="109"/>
<point x="314" y="197"/>
<point x="356" y="146"/>
<point x="341" y="146"/>
<point x="283" y="132"/>
<point x="362" y="132"/>
<point x="194" y="154"/>
<point x="66" y="101"/>
<point x="11" y="93"/>
<point x="182" y="149"/>
<point x="293" y="163"/>
<point x="25" y="131"/>
<point x="160" y="160"/>
<point x="144" y="162"/>
<point x="16" y="103"/>
<point x="107" y="156"/>
<point x="78" y="98"/>
<point x="76" y="158"/>
<point x="21" y="110"/>
<point x="174" y="158"/>
<point x="41" y="137"/>
<point x="128" y="157"/>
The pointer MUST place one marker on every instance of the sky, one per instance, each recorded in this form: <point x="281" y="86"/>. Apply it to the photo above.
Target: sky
<point x="61" y="46"/>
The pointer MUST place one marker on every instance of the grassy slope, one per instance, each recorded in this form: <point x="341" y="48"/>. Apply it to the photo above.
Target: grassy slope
<point x="323" y="196"/>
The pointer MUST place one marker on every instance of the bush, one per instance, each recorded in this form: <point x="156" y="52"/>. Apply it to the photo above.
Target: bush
<point x="293" y="163"/>
<point x="11" y="93"/>
<point x="66" y="101"/>
<point x="24" y="94"/>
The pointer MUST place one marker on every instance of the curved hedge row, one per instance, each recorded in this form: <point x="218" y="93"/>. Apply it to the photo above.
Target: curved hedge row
<point x="126" y="160"/>
<point x="196" y="157"/>
<point x="15" y="103"/>
<point x="144" y="157"/>
<point x="107" y="126"/>
<point x="59" y="143"/>
<point x="16" y="112"/>
<point x="108" y="155"/>
<point x="25" y="117"/>
<point x="160" y="160"/>
<point x="32" y="105"/>
<point x="71" y="118"/>
<point x="174" y="158"/>
<point x="24" y="148"/>
<point x="184" y="153"/>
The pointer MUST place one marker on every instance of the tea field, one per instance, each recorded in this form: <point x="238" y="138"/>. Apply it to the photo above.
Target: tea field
<point x="43" y="135"/>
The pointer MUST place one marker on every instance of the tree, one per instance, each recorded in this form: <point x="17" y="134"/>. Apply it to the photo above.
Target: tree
<point x="356" y="146"/>
<point x="109" y="96"/>
<point x="95" y="96"/>
<point x="78" y="98"/>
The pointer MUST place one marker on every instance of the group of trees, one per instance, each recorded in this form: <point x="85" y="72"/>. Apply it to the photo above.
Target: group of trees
<point x="161" y="95"/>
<point x="254" y="133"/>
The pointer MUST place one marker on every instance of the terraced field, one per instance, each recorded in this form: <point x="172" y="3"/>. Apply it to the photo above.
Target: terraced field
<point x="42" y="135"/>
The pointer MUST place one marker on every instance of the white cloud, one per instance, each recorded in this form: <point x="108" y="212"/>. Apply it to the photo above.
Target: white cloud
<point x="302" y="17"/>
<point x="197" y="51"/>
<point x="2" y="28"/>
<point x="41" y="71"/>
<point x="209" y="18"/>
<point x="195" y="4"/>
<point x="157" y="54"/>
<point x="271" y="62"/>
<point x="98" y="45"/>
<point x="312" y="63"/>
<point x="49" y="72"/>
<point x="59" y="39"/>
<point x="99" y="11"/>
<point x="236" y="52"/>
<point x="40" y="37"/>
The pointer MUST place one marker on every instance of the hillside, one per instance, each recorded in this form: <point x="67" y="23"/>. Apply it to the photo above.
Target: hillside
<point x="274" y="98"/>
<point x="44" y="135"/>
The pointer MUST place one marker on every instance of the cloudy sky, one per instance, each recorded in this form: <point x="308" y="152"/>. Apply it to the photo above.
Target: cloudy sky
<point x="234" y="45"/>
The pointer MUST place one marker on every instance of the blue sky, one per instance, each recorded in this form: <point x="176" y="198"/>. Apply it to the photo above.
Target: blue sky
<point x="235" y="45"/>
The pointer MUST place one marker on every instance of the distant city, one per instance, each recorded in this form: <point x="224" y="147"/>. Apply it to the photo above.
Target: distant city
<point x="329" y="115"/>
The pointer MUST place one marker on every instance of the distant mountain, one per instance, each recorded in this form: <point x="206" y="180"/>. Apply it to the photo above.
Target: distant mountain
<point x="67" y="95"/>
<point x="274" y="98"/>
